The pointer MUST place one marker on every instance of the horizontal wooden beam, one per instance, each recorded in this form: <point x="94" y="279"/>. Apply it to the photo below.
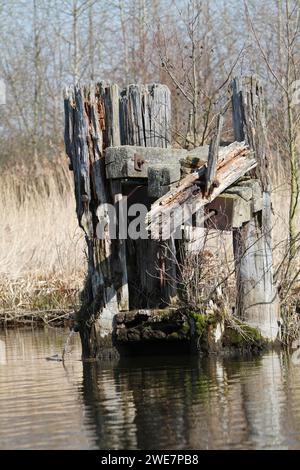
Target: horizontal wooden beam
<point x="133" y="162"/>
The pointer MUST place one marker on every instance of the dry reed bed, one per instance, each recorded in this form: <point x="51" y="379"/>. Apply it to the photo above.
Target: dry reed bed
<point x="42" y="260"/>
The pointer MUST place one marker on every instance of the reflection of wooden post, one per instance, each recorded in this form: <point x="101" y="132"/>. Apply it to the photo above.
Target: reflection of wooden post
<point x="257" y="295"/>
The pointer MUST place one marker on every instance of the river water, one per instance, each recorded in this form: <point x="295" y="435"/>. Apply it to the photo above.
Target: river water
<point x="143" y="403"/>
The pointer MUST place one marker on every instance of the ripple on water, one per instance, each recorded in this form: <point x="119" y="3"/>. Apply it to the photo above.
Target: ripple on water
<point x="167" y="403"/>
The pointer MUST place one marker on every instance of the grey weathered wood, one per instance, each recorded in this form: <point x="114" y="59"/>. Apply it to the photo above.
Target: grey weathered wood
<point x="196" y="158"/>
<point x="257" y="294"/>
<point x="135" y="121"/>
<point x="245" y="192"/>
<point x="160" y="177"/>
<point x="114" y="139"/>
<point x="213" y="153"/>
<point x="249" y="190"/>
<point x="145" y="106"/>
<point x="146" y="115"/>
<point x="98" y="117"/>
<point x="198" y="153"/>
<point x="85" y="142"/>
<point x="160" y="115"/>
<point x="239" y="213"/>
<point x="93" y="120"/>
<point x="83" y="196"/>
<point x="120" y="161"/>
<point x="151" y="155"/>
<point x="69" y="122"/>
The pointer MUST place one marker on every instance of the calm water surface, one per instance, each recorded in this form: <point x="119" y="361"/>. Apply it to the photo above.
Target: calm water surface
<point x="152" y="403"/>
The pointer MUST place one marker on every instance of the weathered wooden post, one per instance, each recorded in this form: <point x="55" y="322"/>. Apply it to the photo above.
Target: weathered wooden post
<point x="97" y="117"/>
<point x="87" y="131"/>
<point x="258" y="302"/>
<point x="120" y="152"/>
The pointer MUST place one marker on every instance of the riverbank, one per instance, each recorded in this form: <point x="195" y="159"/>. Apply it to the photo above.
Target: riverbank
<point x="37" y="318"/>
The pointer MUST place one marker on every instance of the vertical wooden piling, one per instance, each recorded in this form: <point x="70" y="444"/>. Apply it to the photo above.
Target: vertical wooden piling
<point x="96" y="117"/>
<point x="112" y="110"/>
<point x="146" y="120"/>
<point x="213" y="153"/>
<point x="257" y="301"/>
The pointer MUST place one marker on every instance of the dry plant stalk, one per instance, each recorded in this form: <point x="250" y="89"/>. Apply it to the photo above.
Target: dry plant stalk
<point x="41" y="247"/>
<point x="288" y="278"/>
<point x="205" y="279"/>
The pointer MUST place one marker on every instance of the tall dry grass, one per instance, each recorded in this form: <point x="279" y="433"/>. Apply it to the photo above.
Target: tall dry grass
<point x="42" y="261"/>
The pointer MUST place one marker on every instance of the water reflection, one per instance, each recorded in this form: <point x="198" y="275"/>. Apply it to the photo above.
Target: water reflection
<point x="110" y="404"/>
<point x="147" y="403"/>
<point x="191" y="403"/>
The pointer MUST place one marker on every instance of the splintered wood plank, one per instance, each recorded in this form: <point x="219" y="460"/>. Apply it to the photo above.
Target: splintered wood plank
<point x="226" y="154"/>
<point x="234" y="161"/>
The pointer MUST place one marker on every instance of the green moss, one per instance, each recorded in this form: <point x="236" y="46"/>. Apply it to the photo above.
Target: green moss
<point x="185" y="328"/>
<point x="247" y="335"/>
<point x="202" y="322"/>
<point x="182" y="333"/>
<point x="174" y="335"/>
